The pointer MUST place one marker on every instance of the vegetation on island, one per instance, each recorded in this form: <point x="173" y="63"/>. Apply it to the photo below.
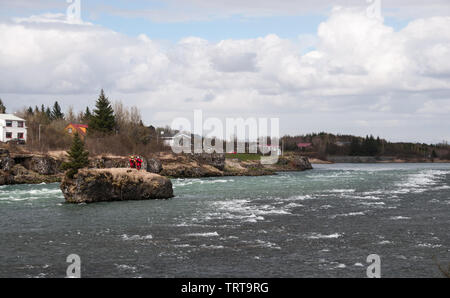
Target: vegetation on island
<point x="78" y="157"/>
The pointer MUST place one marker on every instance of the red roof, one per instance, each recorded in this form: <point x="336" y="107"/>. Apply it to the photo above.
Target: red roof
<point x="79" y="125"/>
<point x="304" y="145"/>
<point x="78" y="128"/>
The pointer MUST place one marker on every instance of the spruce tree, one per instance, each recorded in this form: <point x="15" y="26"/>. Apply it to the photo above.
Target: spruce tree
<point x="355" y="147"/>
<point x="2" y="107"/>
<point x="103" y="119"/>
<point x="48" y="114"/>
<point x="78" y="157"/>
<point x="87" y="115"/>
<point x="30" y="111"/>
<point x="56" y="112"/>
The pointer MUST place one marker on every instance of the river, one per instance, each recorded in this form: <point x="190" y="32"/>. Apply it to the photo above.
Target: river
<point x="318" y="223"/>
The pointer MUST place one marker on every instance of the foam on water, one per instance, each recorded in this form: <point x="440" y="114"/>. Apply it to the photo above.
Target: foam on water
<point x="321" y="236"/>
<point x="399" y="217"/>
<point x="136" y="237"/>
<point x="420" y="182"/>
<point x="348" y="214"/>
<point x="207" y="234"/>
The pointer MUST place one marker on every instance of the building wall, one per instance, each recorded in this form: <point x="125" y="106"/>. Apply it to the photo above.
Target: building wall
<point x="70" y="129"/>
<point x="14" y="130"/>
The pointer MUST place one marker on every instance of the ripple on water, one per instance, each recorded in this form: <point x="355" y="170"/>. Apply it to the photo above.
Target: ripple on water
<point x="321" y="236"/>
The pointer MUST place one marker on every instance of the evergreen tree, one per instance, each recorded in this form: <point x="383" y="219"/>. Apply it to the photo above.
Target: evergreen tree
<point x="87" y="115"/>
<point x="2" y="107"/>
<point x="42" y="109"/>
<point x="48" y="114"/>
<point x="434" y="154"/>
<point x="103" y="119"/>
<point x="355" y="147"/>
<point x="56" y="112"/>
<point x="30" y="111"/>
<point x="78" y="157"/>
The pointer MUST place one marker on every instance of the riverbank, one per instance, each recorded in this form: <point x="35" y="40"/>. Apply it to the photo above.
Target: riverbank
<point x="20" y="167"/>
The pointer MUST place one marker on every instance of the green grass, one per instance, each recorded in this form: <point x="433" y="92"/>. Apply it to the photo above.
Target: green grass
<point x="243" y="156"/>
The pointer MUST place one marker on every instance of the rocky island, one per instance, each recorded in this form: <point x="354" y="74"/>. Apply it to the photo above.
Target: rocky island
<point x="104" y="185"/>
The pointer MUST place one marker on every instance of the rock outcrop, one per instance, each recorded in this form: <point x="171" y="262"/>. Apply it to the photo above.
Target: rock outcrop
<point x="154" y="165"/>
<point x="27" y="168"/>
<point x="6" y="162"/>
<point x="44" y="165"/>
<point x="103" y="185"/>
<point x="214" y="159"/>
<point x="35" y="168"/>
<point x="301" y="163"/>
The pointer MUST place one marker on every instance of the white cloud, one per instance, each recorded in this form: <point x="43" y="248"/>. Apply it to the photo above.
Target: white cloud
<point x="359" y="67"/>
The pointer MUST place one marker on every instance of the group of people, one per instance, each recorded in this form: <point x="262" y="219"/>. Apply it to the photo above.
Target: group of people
<point x="135" y="162"/>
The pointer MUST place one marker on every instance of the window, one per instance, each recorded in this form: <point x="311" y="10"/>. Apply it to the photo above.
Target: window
<point x="20" y="135"/>
<point x="20" y="124"/>
<point x="9" y="135"/>
<point x="8" y="123"/>
<point x="70" y="130"/>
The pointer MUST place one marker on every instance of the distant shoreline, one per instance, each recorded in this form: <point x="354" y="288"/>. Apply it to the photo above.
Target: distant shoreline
<point x="373" y="160"/>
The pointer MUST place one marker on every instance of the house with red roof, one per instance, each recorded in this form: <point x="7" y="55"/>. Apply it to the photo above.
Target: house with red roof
<point x="80" y="128"/>
<point x="304" y="146"/>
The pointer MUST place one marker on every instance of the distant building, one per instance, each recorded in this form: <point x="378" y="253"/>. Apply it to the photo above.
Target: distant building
<point x="12" y="128"/>
<point x="182" y="139"/>
<point x="270" y="149"/>
<point x="80" y="128"/>
<point x="304" y="146"/>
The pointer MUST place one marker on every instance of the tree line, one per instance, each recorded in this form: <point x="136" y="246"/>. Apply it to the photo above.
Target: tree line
<point x="112" y="128"/>
<point x="325" y="144"/>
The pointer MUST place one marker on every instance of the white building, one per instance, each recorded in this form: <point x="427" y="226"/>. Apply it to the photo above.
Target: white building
<point x="181" y="138"/>
<point x="12" y="127"/>
<point x="270" y="149"/>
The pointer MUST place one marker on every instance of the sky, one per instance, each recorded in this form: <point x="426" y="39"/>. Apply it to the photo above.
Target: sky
<point x="350" y="67"/>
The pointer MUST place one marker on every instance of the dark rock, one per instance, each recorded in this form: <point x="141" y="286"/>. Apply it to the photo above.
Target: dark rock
<point x="101" y="185"/>
<point x="179" y="170"/>
<point x="44" y="165"/>
<point x="216" y="160"/>
<point x="6" y="178"/>
<point x="108" y="163"/>
<point x="154" y="165"/>
<point x="301" y="163"/>
<point x="21" y="175"/>
<point x="6" y="162"/>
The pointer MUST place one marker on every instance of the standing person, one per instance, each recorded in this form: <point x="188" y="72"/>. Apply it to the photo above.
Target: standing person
<point x="139" y="163"/>
<point x="132" y="162"/>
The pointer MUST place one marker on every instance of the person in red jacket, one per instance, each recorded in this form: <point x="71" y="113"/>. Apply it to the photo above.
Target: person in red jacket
<point x="138" y="163"/>
<point x="132" y="162"/>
